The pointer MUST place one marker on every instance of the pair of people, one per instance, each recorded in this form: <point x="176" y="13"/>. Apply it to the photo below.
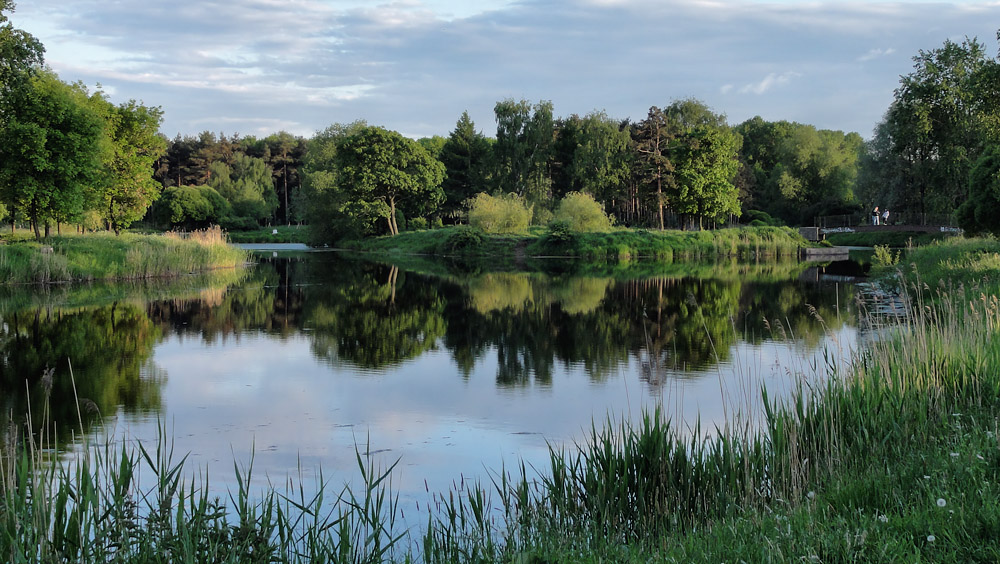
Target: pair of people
<point x="876" y="216"/>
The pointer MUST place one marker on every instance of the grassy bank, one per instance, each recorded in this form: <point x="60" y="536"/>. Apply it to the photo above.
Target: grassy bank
<point x="72" y="258"/>
<point x="897" y="239"/>
<point x="620" y="245"/>
<point x="972" y="263"/>
<point x="285" y="234"/>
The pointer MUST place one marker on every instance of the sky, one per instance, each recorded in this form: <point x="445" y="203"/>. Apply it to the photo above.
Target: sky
<point x="256" y="67"/>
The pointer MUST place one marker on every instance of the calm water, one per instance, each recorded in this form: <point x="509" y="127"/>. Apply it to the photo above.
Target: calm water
<point x="310" y="357"/>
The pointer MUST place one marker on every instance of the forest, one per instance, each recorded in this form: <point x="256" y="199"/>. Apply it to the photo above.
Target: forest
<point x="69" y="156"/>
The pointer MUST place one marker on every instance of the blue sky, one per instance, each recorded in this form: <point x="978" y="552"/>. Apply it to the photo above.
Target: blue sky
<point x="255" y="67"/>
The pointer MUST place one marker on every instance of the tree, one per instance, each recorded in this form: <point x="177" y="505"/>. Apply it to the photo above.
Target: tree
<point x="190" y="207"/>
<point x="127" y="186"/>
<point x="524" y="147"/>
<point x="706" y="161"/>
<point x="943" y="115"/>
<point x="465" y="156"/>
<point x="50" y="149"/>
<point x="246" y="185"/>
<point x="600" y="161"/>
<point x="19" y="53"/>
<point x="321" y="201"/>
<point x="653" y="138"/>
<point x="581" y="212"/>
<point x="380" y="170"/>
<point x="981" y="212"/>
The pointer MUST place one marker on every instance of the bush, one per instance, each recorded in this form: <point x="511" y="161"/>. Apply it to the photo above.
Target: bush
<point x="560" y="232"/>
<point x="230" y="223"/>
<point x="417" y="224"/>
<point x="504" y="214"/>
<point x="464" y="238"/>
<point x="582" y="213"/>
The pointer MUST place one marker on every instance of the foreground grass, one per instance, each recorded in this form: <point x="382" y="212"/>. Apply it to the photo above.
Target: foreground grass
<point x="895" y="460"/>
<point x="104" y="256"/>
<point x="619" y="244"/>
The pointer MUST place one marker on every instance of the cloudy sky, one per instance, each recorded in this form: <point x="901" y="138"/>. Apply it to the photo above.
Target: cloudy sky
<point x="255" y="67"/>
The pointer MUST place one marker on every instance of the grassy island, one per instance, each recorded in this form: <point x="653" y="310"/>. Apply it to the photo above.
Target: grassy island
<point x="129" y="256"/>
<point x="618" y="244"/>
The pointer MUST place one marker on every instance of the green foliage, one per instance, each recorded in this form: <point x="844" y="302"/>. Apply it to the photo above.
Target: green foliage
<point x="378" y="170"/>
<point x="127" y="187"/>
<point x="50" y="149"/>
<point x="463" y="239"/>
<point x="246" y="186"/>
<point x="190" y="207"/>
<point x="981" y="212"/>
<point x="884" y="257"/>
<point x="523" y="148"/>
<point x="580" y="212"/>
<point x="465" y="156"/>
<point x="417" y="223"/>
<point x="499" y="214"/>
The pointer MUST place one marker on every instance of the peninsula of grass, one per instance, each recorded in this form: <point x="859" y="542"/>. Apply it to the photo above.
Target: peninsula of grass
<point x="103" y="256"/>
<point x="285" y="234"/>
<point x="895" y="458"/>
<point x="618" y="244"/>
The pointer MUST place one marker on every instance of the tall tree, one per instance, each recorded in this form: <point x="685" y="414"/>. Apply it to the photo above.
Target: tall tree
<point x="523" y="149"/>
<point x="19" y="53"/>
<point x="127" y="186"/>
<point x="50" y="149"/>
<point x="380" y="170"/>
<point x="600" y="159"/>
<point x="465" y="156"/>
<point x="653" y="137"/>
<point x="321" y="201"/>
<point x="943" y="114"/>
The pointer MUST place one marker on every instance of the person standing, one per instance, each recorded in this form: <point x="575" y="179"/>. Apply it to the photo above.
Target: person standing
<point x="875" y="216"/>
<point x="885" y="217"/>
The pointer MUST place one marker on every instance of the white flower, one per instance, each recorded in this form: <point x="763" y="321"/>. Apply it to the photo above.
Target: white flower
<point x="883" y="518"/>
<point x="954" y="455"/>
<point x="926" y="477"/>
<point x="811" y="495"/>
<point x="941" y="502"/>
<point x="930" y="538"/>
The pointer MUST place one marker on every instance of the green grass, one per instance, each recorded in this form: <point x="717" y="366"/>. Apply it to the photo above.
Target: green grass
<point x="616" y="245"/>
<point x="71" y="258"/>
<point x="949" y="265"/>
<point x="286" y="234"/>
<point x="890" y="238"/>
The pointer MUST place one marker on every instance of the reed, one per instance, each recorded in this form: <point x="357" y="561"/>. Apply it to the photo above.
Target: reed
<point x="73" y="258"/>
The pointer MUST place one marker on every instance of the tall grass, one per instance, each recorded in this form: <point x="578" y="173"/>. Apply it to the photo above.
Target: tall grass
<point x="109" y="257"/>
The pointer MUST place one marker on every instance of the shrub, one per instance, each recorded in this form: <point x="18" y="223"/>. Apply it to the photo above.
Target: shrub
<point x="464" y="238"/>
<point x="417" y="223"/>
<point x="582" y="213"/>
<point x="504" y="214"/>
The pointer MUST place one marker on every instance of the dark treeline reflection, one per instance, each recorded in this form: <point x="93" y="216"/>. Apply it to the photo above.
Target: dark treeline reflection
<point x="372" y="316"/>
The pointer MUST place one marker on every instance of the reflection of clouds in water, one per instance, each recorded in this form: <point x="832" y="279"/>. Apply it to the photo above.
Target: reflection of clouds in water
<point x="299" y="414"/>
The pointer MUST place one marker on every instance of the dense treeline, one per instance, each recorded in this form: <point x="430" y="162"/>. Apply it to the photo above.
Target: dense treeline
<point x="67" y="155"/>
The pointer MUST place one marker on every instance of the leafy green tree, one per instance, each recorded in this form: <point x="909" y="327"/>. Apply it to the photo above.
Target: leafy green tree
<point x="706" y="161"/>
<point x="582" y="213"/>
<point x="50" y="149"/>
<point x="19" y="53"/>
<point x="524" y="147"/>
<point x="322" y="202"/>
<point x="507" y="213"/>
<point x="465" y="156"/>
<point x="981" y="212"/>
<point x="127" y="186"/>
<point x="380" y="172"/>
<point x="246" y="185"/>
<point x="600" y="159"/>
<point x="943" y="115"/>
<point x="190" y="207"/>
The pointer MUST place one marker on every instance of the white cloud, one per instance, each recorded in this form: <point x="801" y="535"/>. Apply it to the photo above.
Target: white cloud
<point x="769" y="82"/>
<point x="876" y="53"/>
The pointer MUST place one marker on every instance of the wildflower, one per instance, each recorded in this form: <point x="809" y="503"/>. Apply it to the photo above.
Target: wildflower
<point x="954" y="455"/>
<point x="811" y="495"/>
<point x="883" y="518"/>
<point x="941" y="502"/>
<point x="931" y="538"/>
<point x="926" y="477"/>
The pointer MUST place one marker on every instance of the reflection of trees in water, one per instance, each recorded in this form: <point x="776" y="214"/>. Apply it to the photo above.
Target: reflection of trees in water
<point x="109" y="348"/>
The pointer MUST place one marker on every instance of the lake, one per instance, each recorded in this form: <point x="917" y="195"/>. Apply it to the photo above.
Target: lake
<point x="455" y="371"/>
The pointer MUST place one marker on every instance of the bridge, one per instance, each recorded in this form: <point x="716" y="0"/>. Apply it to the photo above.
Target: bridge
<point x="862" y="223"/>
